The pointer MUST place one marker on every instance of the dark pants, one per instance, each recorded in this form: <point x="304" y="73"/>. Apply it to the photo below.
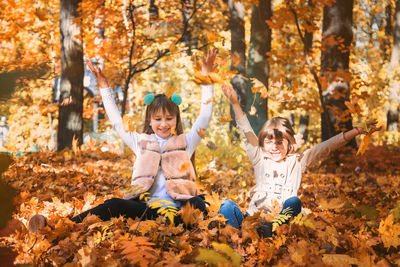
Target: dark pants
<point x="134" y="208"/>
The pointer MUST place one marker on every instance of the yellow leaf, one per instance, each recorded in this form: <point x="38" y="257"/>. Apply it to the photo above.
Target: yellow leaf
<point x="200" y="78"/>
<point x="215" y="78"/>
<point x="169" y="90"/>
<point x="224" y="118"/>
<point x="364" y="145"/>
<point x="339" y="260"/>
<point x="212" y="37"/>
<point x="227" y="250"/>
<point x="389" y="232"/>
<point x="210" y="100"/>
<point x="173" y="131"/>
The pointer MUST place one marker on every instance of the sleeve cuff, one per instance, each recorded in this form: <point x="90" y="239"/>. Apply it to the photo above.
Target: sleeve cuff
<point x="244" y="124"/>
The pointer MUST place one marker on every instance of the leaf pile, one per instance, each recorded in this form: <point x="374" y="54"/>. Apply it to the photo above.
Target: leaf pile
<point x="353" y="215"/>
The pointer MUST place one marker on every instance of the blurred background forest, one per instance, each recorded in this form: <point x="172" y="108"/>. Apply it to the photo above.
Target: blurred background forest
<point x="325" y="64"/>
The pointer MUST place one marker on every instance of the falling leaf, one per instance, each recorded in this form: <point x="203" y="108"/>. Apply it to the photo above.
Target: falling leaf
<point x="259" y="87"/>
<point x="173" y="131"/>
<point x="75" y="145"/>
<point x="283" y="97"/>
<point x="236" y="59"/>
<point x="189" y="215"/>
<point x="364" y="144"/>
<point x="224" y="119"/>
<point x="202" y="133"/>
<point x="169" y="90"/>
<point x="212" y="37"/>
<point x="252" y="111"/>
<point x="210" y="100"/>
<point x="353" y="107"/>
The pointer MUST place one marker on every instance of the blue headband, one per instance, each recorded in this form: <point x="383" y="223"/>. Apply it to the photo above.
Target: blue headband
<point x="149" y="98"/>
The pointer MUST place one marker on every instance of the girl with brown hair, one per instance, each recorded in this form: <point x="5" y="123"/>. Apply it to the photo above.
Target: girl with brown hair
<point x="278" y="168"/>
<point x="162" y="168"/>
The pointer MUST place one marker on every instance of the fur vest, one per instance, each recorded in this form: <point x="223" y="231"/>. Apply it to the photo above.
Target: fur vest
<point x="174" y="161"/>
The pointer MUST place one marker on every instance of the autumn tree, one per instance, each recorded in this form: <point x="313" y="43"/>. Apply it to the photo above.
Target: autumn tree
<point x="238" y="48"/>
<point x="337" y="35"/>
<point x="257" y="65"/>
<point x="392" y="114"/>
<point x="70" y="121"/>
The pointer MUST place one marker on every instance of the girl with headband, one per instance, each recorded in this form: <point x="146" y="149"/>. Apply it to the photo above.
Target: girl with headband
<point x="163" y="167"/>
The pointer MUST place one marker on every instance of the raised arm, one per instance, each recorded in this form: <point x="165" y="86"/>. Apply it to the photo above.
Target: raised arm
<point x="111" y="108"/>
<point x="193" y="138"/>
<point x="323" y="149"/>
<point x="231" y="94"/>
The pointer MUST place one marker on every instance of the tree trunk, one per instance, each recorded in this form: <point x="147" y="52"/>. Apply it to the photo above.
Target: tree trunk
<point x="187" y="34"/>
<point x="257" y="66"/>
<point x="392" y="114"/>
<point x="337" y="25"/>
<point x="70" y="121"/>
<point x="238" y="46"/>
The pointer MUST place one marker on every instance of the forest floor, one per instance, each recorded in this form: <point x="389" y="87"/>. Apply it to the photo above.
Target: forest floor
<point x="353" y="215"/>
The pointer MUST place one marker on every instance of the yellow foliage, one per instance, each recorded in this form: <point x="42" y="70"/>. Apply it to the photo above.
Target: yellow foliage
<point x="389" y="232"/>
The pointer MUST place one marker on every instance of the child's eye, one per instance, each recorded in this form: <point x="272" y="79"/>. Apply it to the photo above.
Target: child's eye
<point x="170" y="118"/>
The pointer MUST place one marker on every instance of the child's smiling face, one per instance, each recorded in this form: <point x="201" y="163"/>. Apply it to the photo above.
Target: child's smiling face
<point x="163" y="123"/>
<point x="276" y="149"/>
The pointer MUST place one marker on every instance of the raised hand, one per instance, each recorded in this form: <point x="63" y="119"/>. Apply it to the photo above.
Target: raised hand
<point x="208" y="65"/>
<point x="98" y="73"/>
<point x="230" y="93"/>
<point x="373" y="128"/>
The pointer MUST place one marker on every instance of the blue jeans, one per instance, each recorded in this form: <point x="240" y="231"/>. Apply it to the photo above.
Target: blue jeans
<point x="234" y="216"/>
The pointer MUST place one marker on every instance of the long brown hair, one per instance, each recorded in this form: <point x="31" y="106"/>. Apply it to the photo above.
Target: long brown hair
<point x="277" y="128"/>
<point x="161" y="101"/>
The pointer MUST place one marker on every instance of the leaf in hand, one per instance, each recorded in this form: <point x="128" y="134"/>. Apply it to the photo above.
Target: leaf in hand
<point x="200" y="78"/>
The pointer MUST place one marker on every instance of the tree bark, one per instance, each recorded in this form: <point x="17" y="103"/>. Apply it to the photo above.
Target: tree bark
<point x="337" y="25"/>
<point x="257" y="66"/>
<point x="238" y="46"/>
<point x="392" y="114"/>
<point x="70" y="121"/>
